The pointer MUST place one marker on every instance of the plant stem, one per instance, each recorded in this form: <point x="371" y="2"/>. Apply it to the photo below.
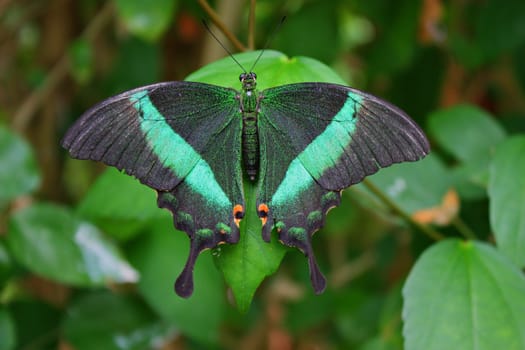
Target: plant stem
<point x="214" y="17"/>
<point x="463" y="228"/>
<point x="427" y="230"/>
<point x="251" y="26"/>
<point x="58" y="73"/>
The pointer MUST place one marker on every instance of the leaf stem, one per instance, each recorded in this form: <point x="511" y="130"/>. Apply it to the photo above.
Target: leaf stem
<point x="427" y="230"/>
<point x="462" y="227"/>
<point x="214" y="17"/>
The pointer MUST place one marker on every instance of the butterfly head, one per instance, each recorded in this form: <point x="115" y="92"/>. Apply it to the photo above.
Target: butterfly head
<point x="248" y="80"/>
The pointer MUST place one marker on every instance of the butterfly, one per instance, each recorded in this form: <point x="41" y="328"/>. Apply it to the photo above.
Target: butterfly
<point x="196" y="144"/>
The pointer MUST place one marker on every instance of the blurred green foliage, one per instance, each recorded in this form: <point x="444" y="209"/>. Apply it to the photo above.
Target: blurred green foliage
<point x="87" y="260"/>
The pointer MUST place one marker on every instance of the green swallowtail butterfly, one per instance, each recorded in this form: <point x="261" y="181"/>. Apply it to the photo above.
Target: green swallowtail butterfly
<point x="195" y="144"/>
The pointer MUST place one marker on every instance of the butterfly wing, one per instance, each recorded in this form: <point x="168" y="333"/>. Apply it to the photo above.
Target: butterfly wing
<point x="317" y="139"/>
<point x="183" y="139"/>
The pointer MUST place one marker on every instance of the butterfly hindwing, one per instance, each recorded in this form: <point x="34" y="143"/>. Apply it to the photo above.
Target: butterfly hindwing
<point x="317" y="139"/>
<point x="183" y="139"/>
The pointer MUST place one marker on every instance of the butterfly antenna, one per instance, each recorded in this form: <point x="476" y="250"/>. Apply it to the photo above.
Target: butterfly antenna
<point x="270" y="38"/>
<point x="222" y="45"/>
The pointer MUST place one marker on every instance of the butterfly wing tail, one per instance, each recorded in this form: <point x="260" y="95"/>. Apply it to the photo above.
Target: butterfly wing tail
<point x="297" y="230"/>
<point x="205" y="233"/>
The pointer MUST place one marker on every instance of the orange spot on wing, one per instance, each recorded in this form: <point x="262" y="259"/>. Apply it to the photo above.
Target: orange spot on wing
<point x="238" y="214"/>
<point x="262" y="211"/>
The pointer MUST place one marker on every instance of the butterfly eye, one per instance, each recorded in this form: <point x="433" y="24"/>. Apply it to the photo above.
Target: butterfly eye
<point x="253" y="76"/>
<point x="242" y="77"/>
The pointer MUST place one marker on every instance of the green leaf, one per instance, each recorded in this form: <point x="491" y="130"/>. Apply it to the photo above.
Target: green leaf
<point x="119" y="204"/>
<point x="148" y="19"/>
<point x="127" y="323"/>
<point x="479" y="134"/>
<point x="50" y="241"/>
<point x="247" y="263"/>
<point x="507" y="198"/>
<point x="414" y="186"/>
<point x="7" y="330"/>
<point x="465" y="131"/>
<point x="472" y="177"/>
<point x="273" y="69"/>
<point x="464" y="295"/>
<point x="158" y="256"/>
<point x="19" y="174"/>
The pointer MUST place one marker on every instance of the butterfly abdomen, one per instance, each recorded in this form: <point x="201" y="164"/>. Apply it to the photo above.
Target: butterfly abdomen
<point x="250" y="144"/>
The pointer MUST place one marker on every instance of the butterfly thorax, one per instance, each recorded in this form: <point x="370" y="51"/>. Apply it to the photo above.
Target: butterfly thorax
<point x="249" y="105"/>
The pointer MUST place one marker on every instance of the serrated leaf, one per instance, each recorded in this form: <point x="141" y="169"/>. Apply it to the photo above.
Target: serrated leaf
<point x="50" y="241"/>
<point x="464" y="295"/>
<point x="119" y="204"/>
<point x="112" y="322"/>
<point x="159" y="255"/>
<point x="19" y="174"/>
<point x="507" y="198"/>
<point x="146" y="19"/>
<point x="465" y="131"/>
